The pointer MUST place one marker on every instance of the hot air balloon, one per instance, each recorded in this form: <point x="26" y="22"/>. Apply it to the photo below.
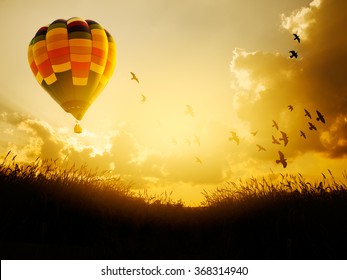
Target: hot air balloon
<point x="73" y="60"/>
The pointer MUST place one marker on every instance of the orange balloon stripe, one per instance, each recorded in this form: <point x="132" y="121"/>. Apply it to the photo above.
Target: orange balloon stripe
<point x="80" y="69"/>
<point x="99" y="52"/>
<point x="31" y="60"/>
<point x="34" y="68"/>
<point x="56" y="53"/>
<point x="56" y="61"/>
<point x="80" y="49"/>
<point x="45" y="68"/>
<point x="40" y="54"/>
<point x="56" y="38"/>
<point x="99" y="61"/>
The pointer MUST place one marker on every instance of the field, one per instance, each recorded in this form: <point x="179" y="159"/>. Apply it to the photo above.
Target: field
<point x="50" y="211"/>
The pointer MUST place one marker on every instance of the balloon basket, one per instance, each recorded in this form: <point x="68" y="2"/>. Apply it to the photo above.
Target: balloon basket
<point x="77" y="129"/>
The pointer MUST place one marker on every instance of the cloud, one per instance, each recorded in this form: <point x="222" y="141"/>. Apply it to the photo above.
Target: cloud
<point x="301" y="19"/>
<point x="36" y="138"/>
<point x="264" y="84"/>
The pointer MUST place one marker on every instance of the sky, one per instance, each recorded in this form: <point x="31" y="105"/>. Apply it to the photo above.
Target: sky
<point x="207" y="68"/>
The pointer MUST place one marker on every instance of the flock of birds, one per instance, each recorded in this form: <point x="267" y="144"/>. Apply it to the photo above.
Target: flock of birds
<point x="284" y="137"/>
<point x="234" y="137"/>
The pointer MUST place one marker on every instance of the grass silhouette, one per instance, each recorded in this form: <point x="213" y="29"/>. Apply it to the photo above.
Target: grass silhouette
<point x="55" y="211"/>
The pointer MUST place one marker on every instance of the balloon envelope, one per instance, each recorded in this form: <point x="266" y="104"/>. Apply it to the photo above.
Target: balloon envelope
<point x="72" y="60"/>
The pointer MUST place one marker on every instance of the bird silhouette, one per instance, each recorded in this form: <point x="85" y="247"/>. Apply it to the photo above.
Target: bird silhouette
<point x="320" y="117"/>
<point x="198" y="160"/>
<point x="254" y="133"/>
<point x="307" y="114"/>
<point x="284" y="138"/>
<point x="296" y="37"/>
<point x="234" y="137"/>
<point x="275" y="125"/>
<point x="275" y="141"/>
<point x="134" y="77"/>
<point x="282" y="159"/>
<point x="189" y="111"/>
<point x="290" y="108"/>
<point x="261" y="148"/>
<point x="293" y="54"/>
<point x="143" y="98"/>
<point x="197" y="140"/>
<point x="311" y="126"/>
<point x="302" y="134"/>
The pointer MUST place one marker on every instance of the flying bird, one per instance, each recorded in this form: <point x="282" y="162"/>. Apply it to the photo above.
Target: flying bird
<point x="302" y="134"/>
<point x="312" y="127"/>
<point x="284" y="138"/>
<point x="234" y="137"/>
<point x="275" y="141"/>
<point x="197" y="140"/>
<point x="254" y="133"/>
<point x="307" y="114"/>
<point x="275" y="125"/>
<point x="293" y="54"/>
<point x="290" y="108"/>
<point x="198" y="160"/>
<point x="143" y="98"/>
<point x="320" y="117"/>
<point x="134" y="77"/>
<point x="296" y="37"/>
<point x="282" y="159"/>
<point x="189" y="111"/>
<point x="261" y="148"/>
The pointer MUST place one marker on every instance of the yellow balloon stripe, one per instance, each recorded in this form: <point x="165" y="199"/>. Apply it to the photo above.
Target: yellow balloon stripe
<point x="62" y="67"/>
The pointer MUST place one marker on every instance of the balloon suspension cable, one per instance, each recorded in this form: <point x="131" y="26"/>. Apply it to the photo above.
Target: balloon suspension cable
<point x="77" y="128"/>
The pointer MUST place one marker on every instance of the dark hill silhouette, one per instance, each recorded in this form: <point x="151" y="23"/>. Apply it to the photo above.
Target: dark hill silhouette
<point x="73" y="215"/>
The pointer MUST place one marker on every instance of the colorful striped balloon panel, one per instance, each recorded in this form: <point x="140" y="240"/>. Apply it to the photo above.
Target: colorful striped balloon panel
<point x="72" y="60"/>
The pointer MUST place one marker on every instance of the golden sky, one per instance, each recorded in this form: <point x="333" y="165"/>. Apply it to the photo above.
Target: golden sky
<point x="228" y="60"/>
